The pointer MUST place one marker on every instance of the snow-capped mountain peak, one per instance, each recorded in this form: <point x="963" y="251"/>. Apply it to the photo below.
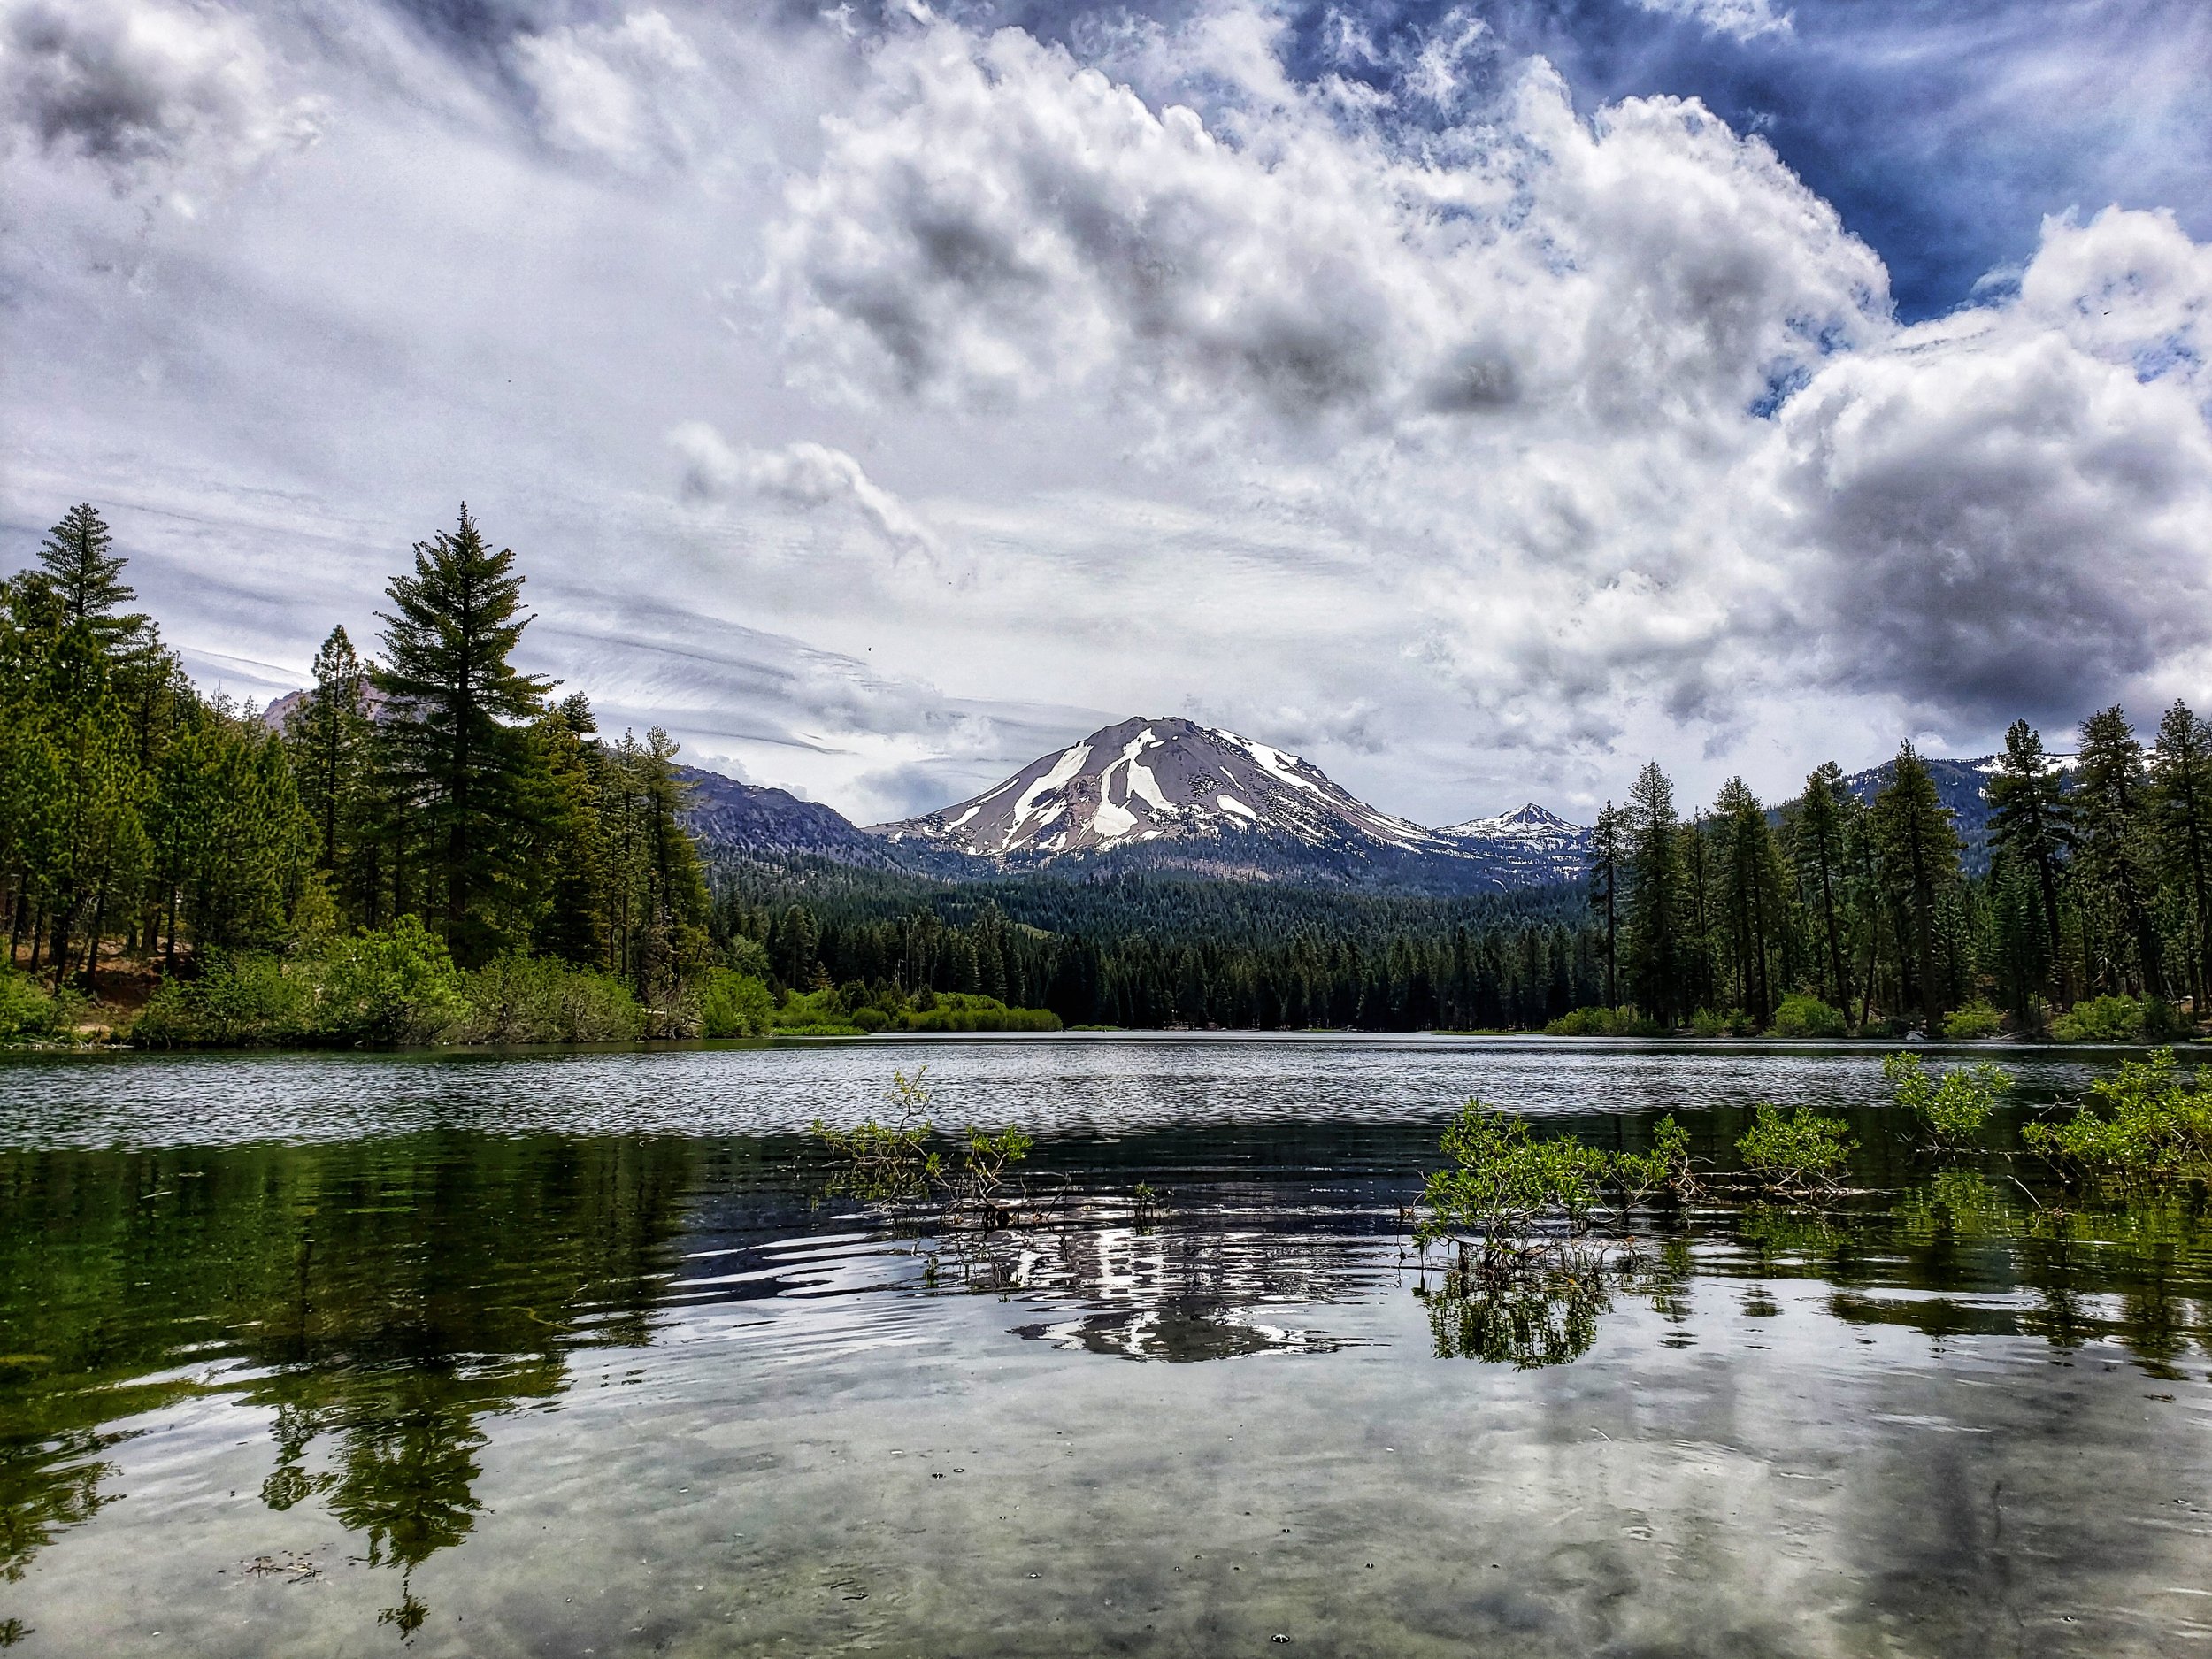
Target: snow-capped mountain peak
<point x="1167" y="779"/>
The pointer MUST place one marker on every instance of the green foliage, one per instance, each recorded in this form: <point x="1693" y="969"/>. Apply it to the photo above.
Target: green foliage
<point x="515" y="999"/>
<point x="1954" y="1108"/>
<point x="2156" y="1129"/>
<point x="734" y="1004"/>
<point x="28" y="1011"/>
<point x="1977" y="1019"/>
<point x="1804" y="1015"/>
<point x="2101" y="1020"/>
<point x="1733" y="1023"/>
<point x="1604" y="1022"/>
<point x="236" y="998"/>
<point x="392" y="984"/>
<point x="1666" y="1167"/>
<point x="956" y="1013"/>
<point x="1504" y="1180"/>
<point x="894" y="1164"/>
<point x="1799" y="1151"/>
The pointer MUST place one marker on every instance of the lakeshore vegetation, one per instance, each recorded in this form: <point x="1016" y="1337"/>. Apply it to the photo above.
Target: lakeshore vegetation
<point x="432" y="843"/>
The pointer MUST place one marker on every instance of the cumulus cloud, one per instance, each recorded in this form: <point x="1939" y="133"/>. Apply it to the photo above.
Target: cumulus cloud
<point x="138" y="83"/>
<point x="997" y="222"/>
<point x="802" y="475"/>
<point x="2006" y="509"/>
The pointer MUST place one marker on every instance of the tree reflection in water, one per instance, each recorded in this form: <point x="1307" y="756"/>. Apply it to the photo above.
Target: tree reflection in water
<point x="381" y="1299"/>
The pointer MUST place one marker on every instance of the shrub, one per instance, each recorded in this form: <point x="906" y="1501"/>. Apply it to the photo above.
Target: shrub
<point x="956" y="1011"/>
<point x="1504" y="1180"/>
<point x="733" y="1003"/>
<point x="392" y="984"/>
<point x="2158" y="1132"/>
<point x="1803" y="1016"/>
<point x="1794" y="1151"/>
<point x="2101" y="1020"/>
<point x="236" y="999"/>
<point x="1977" y="1019"/>
<point x="1953" y="1108"/>
<point x="1604" y="1022"/>
<point x="26" y="1009"/>
<point x="869" y="1018"/>
<point x="542" y="999"/>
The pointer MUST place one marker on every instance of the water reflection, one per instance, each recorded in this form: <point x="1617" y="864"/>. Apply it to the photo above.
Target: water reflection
<point x="378" y="1302"/>
<point x="391" y="1319"/>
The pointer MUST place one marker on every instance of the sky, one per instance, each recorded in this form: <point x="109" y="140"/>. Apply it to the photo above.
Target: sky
<point x="1477" y="400"/>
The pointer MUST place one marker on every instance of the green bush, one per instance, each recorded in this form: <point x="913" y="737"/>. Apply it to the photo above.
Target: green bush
<point x="2158" y="1132"/>
<point x="1954" y="1108"/>
<point x="1604" y="1022"/>
<point x="1803" y="1016"/>
<point x="516" y="999"/>
<point x="2101" y="1020"/>
<point x="957" y="1010"/>
<point x="1977" y="1019"/>
<point x="27" y="1012"/>
<point x="869" y="1018"/>
<point x="236" y="999"/>
<point x="392" y="984"/>
<point x="1503" y="1179"/>
<point x="733" y="1003"/>
<point x="1794" y="1151"/>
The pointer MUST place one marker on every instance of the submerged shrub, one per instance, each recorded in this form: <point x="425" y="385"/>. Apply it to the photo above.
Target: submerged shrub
<point x="1955" y="1108"/>
<point x="1503" y="1179"/>
<point x="1977" y="1019"/>
<point x="2100" y="1019"/>
<point x="542" y="999"/>
<point x="1797" y="1151"/>
<point x="2159" y="1131"/>
<point x="1804" y="1016"/>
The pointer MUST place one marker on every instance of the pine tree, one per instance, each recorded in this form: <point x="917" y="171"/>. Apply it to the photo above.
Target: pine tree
<point x="454" y="705"/>
<point x="2115" y="852"/>
<point x="1919" y="847"/>
<point x="2181" y="815"/>
<point x="1606" y="861"/>
<point x="1754" y="904"/>
<point x="1655" y="907"/>
<point x="329" y="737"/>
<point x="1817" y="837"/>
<point x="78" y="557"/>
<point x="2032" y="819"/>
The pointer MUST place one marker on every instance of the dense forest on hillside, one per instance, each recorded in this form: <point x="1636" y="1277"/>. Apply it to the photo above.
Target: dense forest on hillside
<point x="1147" y="949"/>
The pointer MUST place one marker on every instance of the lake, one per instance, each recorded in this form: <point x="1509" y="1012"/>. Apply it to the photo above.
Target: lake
<point x="567" y="1353"/>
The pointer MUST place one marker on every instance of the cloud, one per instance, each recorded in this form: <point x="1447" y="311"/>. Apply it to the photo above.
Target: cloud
<point x="2006" y="509"/>
<point x="614" y="91"/>
<point x="1740" y="20"/>
<point x="997" y="223"/>
<point x="133" y="84"/>
<point x="1382" y="394"/>
<point x="802" y="475"/>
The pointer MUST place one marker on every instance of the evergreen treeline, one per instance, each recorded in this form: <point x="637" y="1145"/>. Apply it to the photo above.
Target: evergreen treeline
<point x="2094" y="918"/>
<point x="1151" y="952"/>
<point x="423" y="825"/>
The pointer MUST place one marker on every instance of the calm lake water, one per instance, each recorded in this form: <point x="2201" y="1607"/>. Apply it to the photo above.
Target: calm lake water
<point x="561" y="1354"/>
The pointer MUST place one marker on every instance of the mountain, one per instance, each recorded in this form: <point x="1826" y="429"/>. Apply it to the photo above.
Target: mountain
<point x="749" y="821"/>
<point x="1170" y="794"/>
<point x="1526" y="847"/>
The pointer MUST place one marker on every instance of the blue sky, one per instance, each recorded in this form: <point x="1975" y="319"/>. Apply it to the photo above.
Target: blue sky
<point x="1478" y="399"/>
